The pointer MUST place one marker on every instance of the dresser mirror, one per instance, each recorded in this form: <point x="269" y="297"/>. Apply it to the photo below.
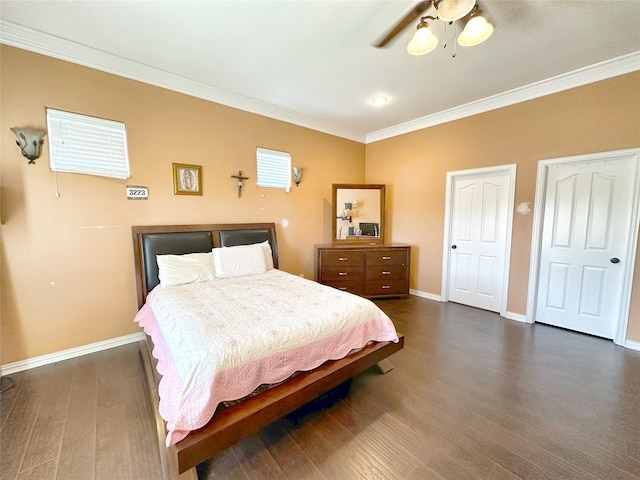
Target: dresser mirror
<point x="358" y="213"/>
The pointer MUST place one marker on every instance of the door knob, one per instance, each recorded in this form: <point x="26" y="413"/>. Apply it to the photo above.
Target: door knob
<point x="454" y="246"/>
<point x="615" y="260"/>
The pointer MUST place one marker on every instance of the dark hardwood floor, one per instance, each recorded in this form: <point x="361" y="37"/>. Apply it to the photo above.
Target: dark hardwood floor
<point x="472" y="396"/>
<point x="84" y="418"/>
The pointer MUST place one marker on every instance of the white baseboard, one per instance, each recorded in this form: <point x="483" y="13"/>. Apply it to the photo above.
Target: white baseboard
<point x="632" y="345"/>
<point x="430" y="296"/>
<point x="29" y="363"/>
<point x="518" y="317"/>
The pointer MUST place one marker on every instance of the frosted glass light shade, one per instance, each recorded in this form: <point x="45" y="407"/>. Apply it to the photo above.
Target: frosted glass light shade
<point x="29" y="141"/>
<point x="423" y="41"/>
<point x="452" y="10"/>
<point x="476" y="31"/>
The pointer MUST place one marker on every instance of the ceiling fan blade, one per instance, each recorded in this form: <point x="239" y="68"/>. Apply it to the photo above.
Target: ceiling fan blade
<point x="414" y="13"/>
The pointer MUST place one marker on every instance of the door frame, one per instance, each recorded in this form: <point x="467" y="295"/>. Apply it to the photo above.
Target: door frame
<point x="510" y="170"/>
<point x="536" y="235"/>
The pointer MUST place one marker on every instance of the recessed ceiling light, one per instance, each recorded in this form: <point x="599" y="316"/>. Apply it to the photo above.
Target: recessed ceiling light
<point x="379" y="100"/>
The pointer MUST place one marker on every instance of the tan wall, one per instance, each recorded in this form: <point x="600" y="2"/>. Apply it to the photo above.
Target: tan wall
<point x="66" y="263"/>
<point x="67" y="266"/>
<point x="599" y="117"/>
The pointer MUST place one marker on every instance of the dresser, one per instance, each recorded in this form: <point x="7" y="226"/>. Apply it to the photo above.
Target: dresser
<point x="370" y="271"/>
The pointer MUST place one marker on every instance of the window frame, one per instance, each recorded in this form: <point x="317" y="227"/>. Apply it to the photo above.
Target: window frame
<point x="273" y="169"/>
<point x="88" y="145"/>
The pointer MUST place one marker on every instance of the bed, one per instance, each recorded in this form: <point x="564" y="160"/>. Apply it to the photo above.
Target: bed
<point x="181" y="450"/>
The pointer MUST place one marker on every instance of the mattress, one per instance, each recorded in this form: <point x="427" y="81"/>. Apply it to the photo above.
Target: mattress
<point x="219" y="340"/>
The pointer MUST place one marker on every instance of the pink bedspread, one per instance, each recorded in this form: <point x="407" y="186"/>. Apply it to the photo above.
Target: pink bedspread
<point x="219" y="340"/>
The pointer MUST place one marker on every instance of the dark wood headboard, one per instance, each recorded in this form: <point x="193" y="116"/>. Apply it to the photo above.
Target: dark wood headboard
<point x="152" y="240"/>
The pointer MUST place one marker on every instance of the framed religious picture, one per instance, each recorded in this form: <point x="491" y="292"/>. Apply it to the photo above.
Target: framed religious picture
<point x="187" y="179"/>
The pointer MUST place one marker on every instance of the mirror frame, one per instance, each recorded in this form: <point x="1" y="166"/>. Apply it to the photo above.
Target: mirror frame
<point x="334" y="212"/>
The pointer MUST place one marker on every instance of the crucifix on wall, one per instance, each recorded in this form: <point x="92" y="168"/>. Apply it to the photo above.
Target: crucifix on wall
<point x="240" y="178"/>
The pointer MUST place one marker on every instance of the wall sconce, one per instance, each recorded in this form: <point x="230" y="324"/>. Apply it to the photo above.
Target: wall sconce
<point x="348" y="213"/>
<point x="297" y="175"/>
<point x="29" y="141"/>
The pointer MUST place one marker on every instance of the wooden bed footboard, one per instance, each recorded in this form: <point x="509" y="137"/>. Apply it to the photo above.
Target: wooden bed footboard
<point x="232" y="424"/>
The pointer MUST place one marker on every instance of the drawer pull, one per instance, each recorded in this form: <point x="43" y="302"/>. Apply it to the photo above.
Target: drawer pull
<point x="343" y="259"/>
<point x="343" y="274"/>
<point x="342" y="288"/>
<point x="386" y="286"/>
<point x="386" y="258"/>
<point x="386" y="273"/>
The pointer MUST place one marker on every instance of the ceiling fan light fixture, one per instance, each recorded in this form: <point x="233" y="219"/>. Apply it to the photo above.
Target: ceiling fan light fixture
<point x="452" y="10"/>
<point x="476" y="31"/>
<point x="423" y="40"/>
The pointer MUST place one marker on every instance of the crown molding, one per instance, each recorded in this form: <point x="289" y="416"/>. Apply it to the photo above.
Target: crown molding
<point x="21" y="37"/>
<point x="583" y="76"/>
<point x="27" y="39"/>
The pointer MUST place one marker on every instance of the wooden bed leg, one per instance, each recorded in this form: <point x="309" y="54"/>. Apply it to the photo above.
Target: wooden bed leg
<point x="191" y="474"/>
<point x="385" y="365"/>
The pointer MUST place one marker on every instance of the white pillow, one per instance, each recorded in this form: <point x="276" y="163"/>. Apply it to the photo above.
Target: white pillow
<point x="240" y="261"/>
<point x="188" y="268"/>
<point x="266" y="248"/>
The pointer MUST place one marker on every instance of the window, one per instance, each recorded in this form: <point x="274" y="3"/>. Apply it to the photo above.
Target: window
<point x="274" y="169"/>
<point x="89" y="145"/>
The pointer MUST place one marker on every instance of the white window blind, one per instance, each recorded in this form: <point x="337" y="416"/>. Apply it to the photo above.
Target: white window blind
<point x="89" y="145"/>
<point x="274" y="169"/>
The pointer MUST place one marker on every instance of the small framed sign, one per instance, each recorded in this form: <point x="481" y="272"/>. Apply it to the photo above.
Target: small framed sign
<point x="136" y="192"/>
<point x="187" y="179"/>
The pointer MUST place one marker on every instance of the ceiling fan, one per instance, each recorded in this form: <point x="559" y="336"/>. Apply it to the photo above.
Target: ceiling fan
<point x="476" y="27"/>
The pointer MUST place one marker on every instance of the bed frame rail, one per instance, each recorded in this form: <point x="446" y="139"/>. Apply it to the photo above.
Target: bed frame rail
<point x="232" y="424"/>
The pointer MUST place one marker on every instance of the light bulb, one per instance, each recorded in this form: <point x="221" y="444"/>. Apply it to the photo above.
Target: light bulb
<point x="476" y="31"/>
<point x="423" y="41"/>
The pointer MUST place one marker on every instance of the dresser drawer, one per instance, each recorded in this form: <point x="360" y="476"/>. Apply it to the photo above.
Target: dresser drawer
<point x="368" y="270"/>
<point x="342" y="258"/>
<point x="386" y="272"/>
<point x="381" y="287"/>
<point x="342" y="274"/>
<point x="357" y="288"/>
<point x="387" y="257"/>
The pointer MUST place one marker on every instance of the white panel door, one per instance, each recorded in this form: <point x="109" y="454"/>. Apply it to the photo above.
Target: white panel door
<point x="585" y="231"/>
<point x="478" y="239"/>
